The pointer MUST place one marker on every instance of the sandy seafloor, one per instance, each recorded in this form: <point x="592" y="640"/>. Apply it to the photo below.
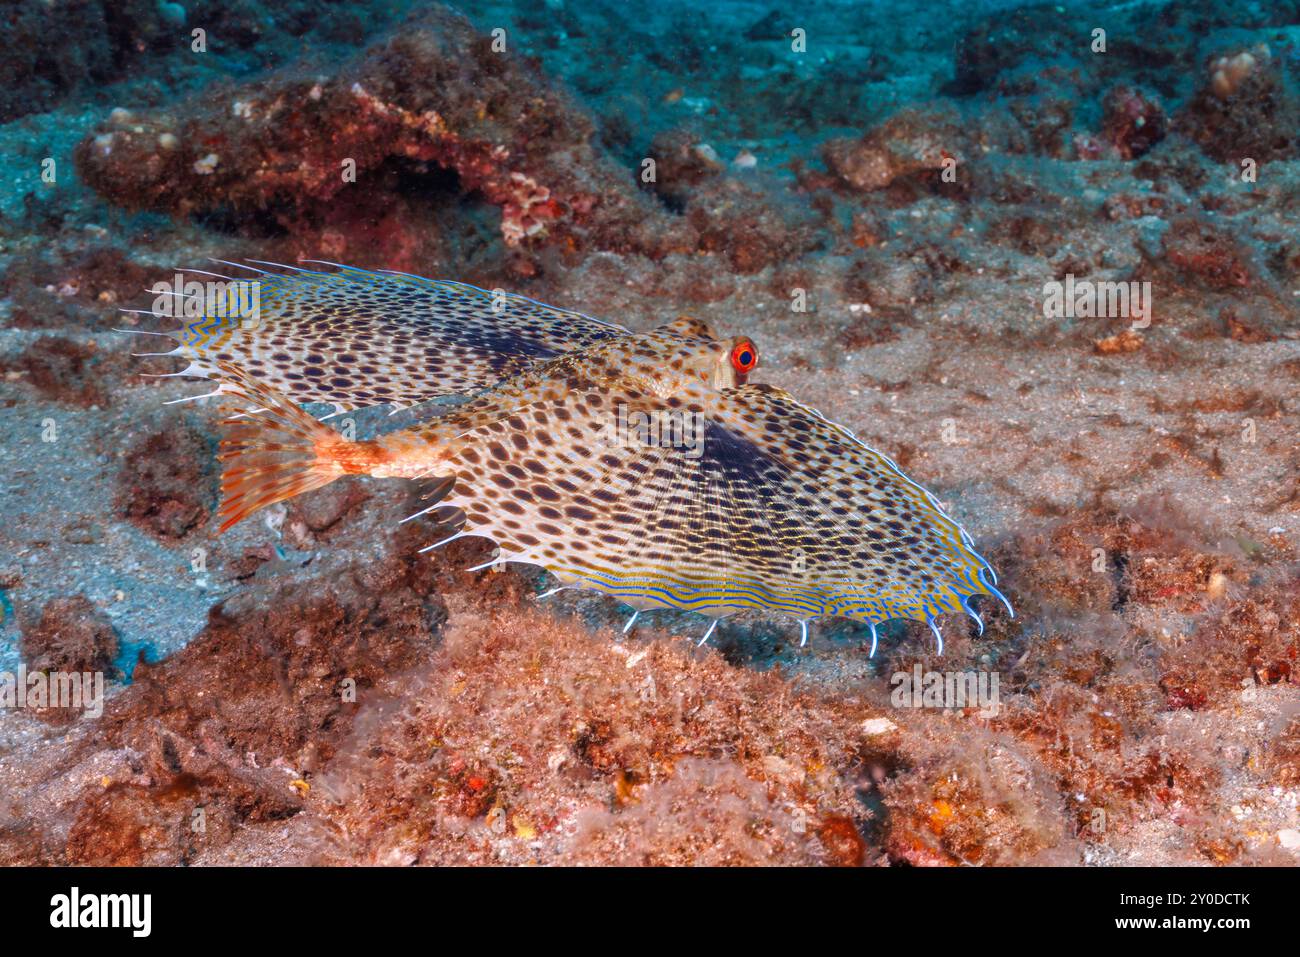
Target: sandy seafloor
<point x="1137" y="491"/>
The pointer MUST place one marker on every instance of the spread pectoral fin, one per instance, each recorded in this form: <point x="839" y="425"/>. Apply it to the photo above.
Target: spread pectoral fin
<point x="713" y="502"/>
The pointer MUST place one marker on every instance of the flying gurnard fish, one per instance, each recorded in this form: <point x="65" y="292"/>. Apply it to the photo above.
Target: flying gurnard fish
<point x="771" y="507"/>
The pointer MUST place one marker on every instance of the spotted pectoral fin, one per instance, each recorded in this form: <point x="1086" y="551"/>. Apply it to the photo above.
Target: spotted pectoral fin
<point x="717" y="502"/>
<point x="873" y="543"/>
<point x="353" y="338"/>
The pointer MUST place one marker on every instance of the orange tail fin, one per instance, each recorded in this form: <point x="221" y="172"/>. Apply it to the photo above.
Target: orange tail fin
<point x="272" y="454"/>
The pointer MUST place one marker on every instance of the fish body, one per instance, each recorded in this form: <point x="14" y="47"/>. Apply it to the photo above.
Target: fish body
<point x="642" y="465"/>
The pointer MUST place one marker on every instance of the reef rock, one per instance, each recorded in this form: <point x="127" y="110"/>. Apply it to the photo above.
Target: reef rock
<point x="437" y="94"/>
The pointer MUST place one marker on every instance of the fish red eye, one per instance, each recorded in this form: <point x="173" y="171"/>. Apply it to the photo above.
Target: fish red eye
<point x="744" y="357"/>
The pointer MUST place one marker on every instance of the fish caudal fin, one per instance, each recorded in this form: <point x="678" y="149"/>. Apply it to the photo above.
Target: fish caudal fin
<point x="271" y="451"/>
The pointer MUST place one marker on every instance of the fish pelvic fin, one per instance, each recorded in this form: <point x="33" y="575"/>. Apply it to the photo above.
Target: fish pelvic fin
<point x="274" y="450"/>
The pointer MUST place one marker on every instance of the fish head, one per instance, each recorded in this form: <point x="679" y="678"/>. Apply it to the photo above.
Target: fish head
<point x="689" y="355"/>
<point x="682" y="359"/>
